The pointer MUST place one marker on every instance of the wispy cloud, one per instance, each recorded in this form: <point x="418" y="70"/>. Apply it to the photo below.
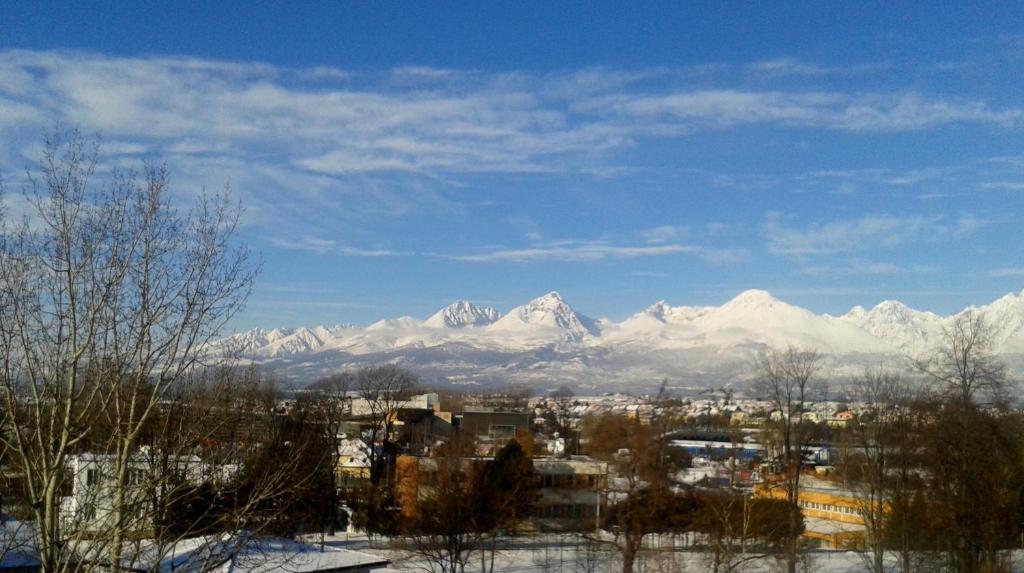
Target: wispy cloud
<point x="1003" y="186"/>
<point x="333" y="122"/>
<point x="879" y="112"/>
<point x="871" y="231"/>
<point x="330" y="247"/>
<point x="788" y="66"/>
<point x="1007" y="272"/>
<point x="863" y="267"/>
<point x="596" y="251"/>
<point x="664" y="233"/>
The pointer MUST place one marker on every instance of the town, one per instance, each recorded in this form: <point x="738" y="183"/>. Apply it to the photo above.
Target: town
<point x="511" y="287"/>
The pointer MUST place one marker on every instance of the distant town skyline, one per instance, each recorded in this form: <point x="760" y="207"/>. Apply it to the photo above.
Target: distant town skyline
<point x="393" y="158"/>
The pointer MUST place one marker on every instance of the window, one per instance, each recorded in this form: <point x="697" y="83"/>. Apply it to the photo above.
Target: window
<point x="502" y="431"/>
<point x="136" y="477"/>
<point x="92" y="477"/>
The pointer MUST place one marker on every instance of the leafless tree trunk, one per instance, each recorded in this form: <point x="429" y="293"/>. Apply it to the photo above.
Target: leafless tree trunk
<point x="110" y="298"/>
<point x="964" y="366"/>
<point x="870" y="459"/>
<point x="786" y="378"/>
<point x="383" y="390"/>
<point x="971" y="383"/>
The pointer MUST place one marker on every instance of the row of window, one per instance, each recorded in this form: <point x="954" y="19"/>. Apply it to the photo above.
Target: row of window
<point x="135" y="477"/>
<point x="569" y="481"/>
<point x="565" y="511"/>
<point x="828" y="507"/>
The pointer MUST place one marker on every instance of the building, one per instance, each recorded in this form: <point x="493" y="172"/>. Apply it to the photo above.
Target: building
<point x="571" y="493"/>
<point x="89" y="503"/>
<point x="486" y="423"/>
<point x="831" y="513"/>
<point x="493" y="429"/>
<point x="353" y="466"/>
<point x="571" y="490"/>
<point x="843" y="419"/>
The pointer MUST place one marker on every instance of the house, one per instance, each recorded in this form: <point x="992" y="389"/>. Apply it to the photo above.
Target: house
<point x="843" y="419"/>
<point x="811" y="417"/>
<point x="89" y="503"/>
<point x="353" y="466"/>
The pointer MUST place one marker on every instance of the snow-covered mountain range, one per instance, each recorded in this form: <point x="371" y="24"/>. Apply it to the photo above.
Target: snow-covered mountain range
<point x="547" y="342"/>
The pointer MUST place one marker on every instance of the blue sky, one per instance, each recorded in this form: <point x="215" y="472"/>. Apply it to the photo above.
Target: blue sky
<point x="396" y="156"/>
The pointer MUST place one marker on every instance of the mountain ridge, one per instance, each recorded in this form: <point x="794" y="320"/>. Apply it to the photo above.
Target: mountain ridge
<point x="547" y="339"/>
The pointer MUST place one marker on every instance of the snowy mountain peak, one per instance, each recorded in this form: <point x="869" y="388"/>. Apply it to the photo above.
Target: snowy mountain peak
<point x="752" y="299"/>
<point x="856" y="312"/>
<point x="394" y="323"/>
<point x="659" y="310"/>
<point x="546" y="339"/>
<point x="552" y="299"/>
<point x="462" y="313"/>
<point x="548" y="312"/>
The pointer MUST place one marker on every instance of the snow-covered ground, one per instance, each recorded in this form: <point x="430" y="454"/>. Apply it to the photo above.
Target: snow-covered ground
<point x="572" y="554"/>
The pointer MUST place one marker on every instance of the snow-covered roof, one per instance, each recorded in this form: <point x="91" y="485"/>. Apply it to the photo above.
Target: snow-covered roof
<point x="244" y="554"/>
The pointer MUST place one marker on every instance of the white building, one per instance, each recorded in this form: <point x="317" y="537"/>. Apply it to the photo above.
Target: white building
<point x="89" y="506"/>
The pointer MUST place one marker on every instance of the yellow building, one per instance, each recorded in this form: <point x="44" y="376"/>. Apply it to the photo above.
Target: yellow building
<point x="831" y="513"/>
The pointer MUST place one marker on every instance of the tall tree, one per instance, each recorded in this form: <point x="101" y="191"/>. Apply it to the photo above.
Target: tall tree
<point x="109" y="298"/>
<point x="974" y="451"/>
<point x="787" y="378"/>
<point x="871" y="457"/>
<point x="504" y="491"/>
<point x="383" y="390"/>
<point x="641" y="464"/>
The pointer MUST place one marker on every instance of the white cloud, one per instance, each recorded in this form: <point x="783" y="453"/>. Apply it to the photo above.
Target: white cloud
<point x="1007" y="272"/>
<point x="318" y="146"/>
<point x="462" y="123"/>
<point x="858" y="234"/>
<point x="596" y="251"/>
<point x="787" y="66"/>
<point x="330" y="247"/>
<point x="823" y="110"/>
<point x="862" y="267"/>
<point x="664" y="233"/>
<point x="1003" y="186"/>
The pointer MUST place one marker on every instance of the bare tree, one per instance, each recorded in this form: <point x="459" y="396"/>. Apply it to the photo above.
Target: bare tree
<point x="383" y="390"/>
<point x="442" y="531"/>
<point x="110" y="297"/>
<point x="974" y="448"/>
<point x="639" y="459"/>
<point x="740" y="529"/>
<point x="870" y="464"/>
<point x="963" y="365"/>
<point x="330" y="405"/>
<point x="787" y="378"/>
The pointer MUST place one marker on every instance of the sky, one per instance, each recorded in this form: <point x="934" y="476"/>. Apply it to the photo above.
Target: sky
<point x="395" y="156"/>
